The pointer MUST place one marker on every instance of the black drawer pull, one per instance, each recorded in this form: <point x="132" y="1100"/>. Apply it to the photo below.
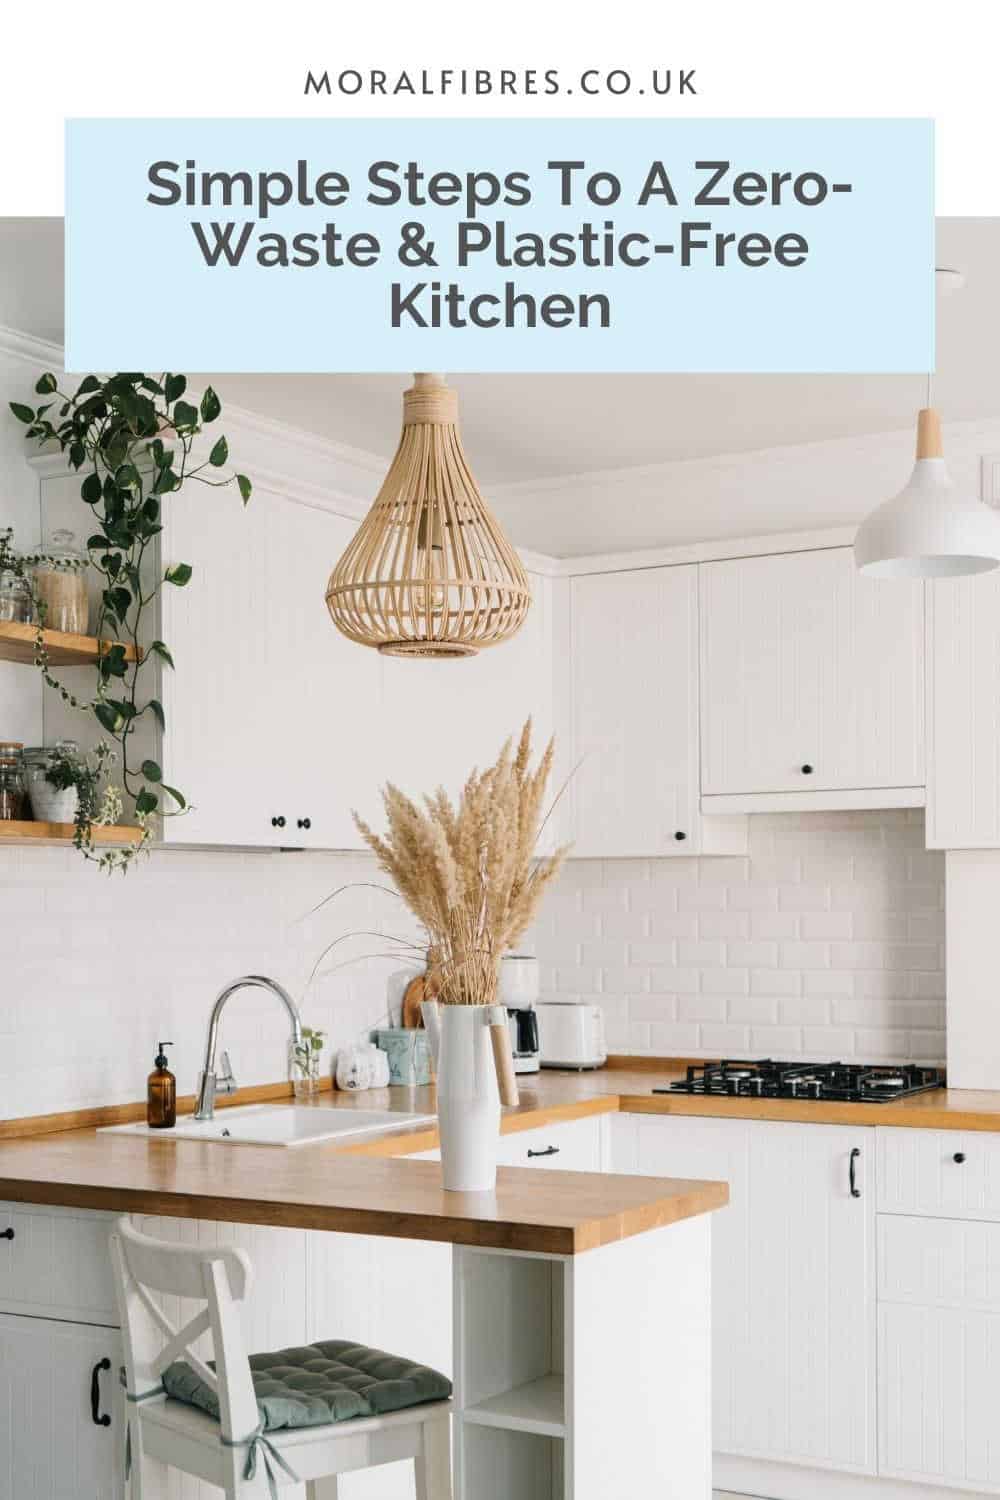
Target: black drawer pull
<point x="100" y="1419"/>
<point x="7" y="1234"/>
<point x="958" y="1158"/>
<point x="807" y="770"/>
<point x="855" y="1190"/>
<point x="549" y="1151"/>
<point x="680" y="837"/>
<point x="305" y="822"/>
<point x="277" y="822"/>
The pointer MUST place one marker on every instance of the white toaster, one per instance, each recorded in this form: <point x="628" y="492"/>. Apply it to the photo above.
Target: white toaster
<point x="571" y="1034"/>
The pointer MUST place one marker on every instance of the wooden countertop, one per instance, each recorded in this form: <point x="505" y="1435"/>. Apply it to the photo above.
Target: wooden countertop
<point x="369" y="1187"/>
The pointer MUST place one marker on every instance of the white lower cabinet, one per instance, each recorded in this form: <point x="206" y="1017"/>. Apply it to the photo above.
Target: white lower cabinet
<point x="57" y="1383"/>
<point x="793" y="1267"/>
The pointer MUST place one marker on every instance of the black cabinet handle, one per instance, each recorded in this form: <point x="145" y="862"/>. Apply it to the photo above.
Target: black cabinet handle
<point x="958" y="1158"/>
<point x="100" y="1419"/>
<point x="855" y="1190"/>
<point x="277" y="822"/>
<point x="305" y="822"/>
<point x="7" y="1234"/>
<point x="549" y="1151"/>
<point x="807" y="770"/>
<point x="680" y="837"/>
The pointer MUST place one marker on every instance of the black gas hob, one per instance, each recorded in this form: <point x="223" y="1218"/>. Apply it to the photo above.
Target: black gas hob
<point x="860" y="1083"/>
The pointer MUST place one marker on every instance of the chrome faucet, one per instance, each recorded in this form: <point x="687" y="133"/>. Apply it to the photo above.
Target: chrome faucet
<point x="211" y="1083"/>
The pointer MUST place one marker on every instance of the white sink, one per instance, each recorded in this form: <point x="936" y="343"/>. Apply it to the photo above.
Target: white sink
<point x="281" y="1125"/>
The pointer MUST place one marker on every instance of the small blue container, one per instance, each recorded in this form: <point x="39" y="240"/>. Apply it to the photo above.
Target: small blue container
<point x="409" y="1055"/>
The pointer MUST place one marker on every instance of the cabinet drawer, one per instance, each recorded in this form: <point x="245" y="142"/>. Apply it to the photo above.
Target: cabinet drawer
<point x="572" y="1147"/>
<point x="939" y="1262"/>
<point x="940" y="1173"/>
<point x="56" y="1264"/>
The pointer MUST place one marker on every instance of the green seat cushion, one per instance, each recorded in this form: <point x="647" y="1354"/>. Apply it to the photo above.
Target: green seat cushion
<point x="333" y="1381"/>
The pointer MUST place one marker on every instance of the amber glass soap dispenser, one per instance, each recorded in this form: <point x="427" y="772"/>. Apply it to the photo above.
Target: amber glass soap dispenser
<point x="161" y="1093"/>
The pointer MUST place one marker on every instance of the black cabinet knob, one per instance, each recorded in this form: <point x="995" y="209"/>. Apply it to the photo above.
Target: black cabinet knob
<point x="7" y="1234"/>
<point x="277" y="822"/>
<point x="807" y="770"/>
<point x="305" y="822"/>
<point x="680" y="837"/>
<point x="958" y="1158"/>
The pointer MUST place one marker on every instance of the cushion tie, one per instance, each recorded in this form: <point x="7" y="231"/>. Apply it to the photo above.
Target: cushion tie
<point x="157" y="1390"/>
<point x="259" y="1442"/>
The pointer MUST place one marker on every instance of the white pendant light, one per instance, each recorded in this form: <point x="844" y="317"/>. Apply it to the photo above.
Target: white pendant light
<point x="930" y="529"/>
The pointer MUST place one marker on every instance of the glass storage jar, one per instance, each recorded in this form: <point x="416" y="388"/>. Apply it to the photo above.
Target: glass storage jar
<point x="12" y="796"/>
<point x="16" y="606"/>
<point x="61" y="585"/>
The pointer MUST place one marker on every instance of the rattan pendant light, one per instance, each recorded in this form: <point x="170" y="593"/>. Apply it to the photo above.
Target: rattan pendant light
<point x="429" y="571"/>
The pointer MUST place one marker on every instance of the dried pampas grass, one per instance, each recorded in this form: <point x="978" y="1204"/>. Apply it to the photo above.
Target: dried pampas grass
<point x="469" y="873"/>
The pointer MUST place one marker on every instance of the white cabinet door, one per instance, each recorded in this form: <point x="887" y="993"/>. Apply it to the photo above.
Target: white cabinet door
<point x="793" y="1268"/>
<point x="635" y="712"/>
<point x="806" y="663"/>
<point x="939" y="1351"/>
<point x="51" y="1448"/>
<point x="963" y="713"/>
<point x="442" y="718"/>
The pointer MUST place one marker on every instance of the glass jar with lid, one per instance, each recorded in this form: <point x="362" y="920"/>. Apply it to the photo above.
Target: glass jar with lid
<point x="61" y="584"/>
<point x="12" y="792"/>
<point x="16" y="605"/>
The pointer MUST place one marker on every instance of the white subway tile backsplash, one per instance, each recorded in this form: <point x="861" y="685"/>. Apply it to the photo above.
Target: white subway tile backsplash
<point x="827" y="941"/>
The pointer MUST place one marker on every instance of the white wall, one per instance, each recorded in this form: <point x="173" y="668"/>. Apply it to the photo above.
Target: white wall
<point x="827" y="941"/>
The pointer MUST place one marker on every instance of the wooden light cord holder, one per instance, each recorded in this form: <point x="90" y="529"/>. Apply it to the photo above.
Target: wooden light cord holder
<point x="929" y="444"/>
<point x="429" y="571"/>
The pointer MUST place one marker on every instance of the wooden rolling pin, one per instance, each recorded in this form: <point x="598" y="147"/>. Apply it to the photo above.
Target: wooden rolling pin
<point x="503" y="1057"/>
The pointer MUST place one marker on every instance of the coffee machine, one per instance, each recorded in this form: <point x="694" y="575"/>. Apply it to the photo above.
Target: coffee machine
<point x="519" y="990"/>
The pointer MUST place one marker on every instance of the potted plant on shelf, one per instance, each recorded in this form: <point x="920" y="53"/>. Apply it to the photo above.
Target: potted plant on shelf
<point x="471" y="876"/>
<point x="305" y="1062"/>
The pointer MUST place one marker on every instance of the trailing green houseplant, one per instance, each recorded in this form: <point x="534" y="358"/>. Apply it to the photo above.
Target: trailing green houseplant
<point x="132" y="437"/>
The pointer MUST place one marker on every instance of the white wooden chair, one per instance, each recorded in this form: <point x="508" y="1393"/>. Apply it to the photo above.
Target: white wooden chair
<point x="232" y="1452"/>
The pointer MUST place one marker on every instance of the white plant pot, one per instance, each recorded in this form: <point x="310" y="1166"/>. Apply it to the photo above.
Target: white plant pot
<point x="468" y="1099"/>
<point x="51" y="804"/>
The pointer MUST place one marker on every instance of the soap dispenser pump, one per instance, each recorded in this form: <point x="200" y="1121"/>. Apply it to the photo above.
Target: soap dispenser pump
<point x="161" y="1093"/>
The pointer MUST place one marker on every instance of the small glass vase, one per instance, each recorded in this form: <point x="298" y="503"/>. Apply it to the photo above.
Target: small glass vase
<point x="305" y="1066"/>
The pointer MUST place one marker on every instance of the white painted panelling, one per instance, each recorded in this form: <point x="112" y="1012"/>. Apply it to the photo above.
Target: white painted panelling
<point x="938" y="1389"/>
<point x="918" y="1173"/>
<point x="806" y="663"/>
<point x="57" y="1264"/>
<point x="635" y="712"/>
<point x="947" y="1262"/>
<point x="793" y="1284"/>
<point x="826" y="941"/>
<point x="963" y="712"/>
<point x="973" y="884"/>
<point x="50" y="1446"/>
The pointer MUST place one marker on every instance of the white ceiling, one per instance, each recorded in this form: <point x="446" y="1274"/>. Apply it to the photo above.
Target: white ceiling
<point x="519" y="428"/>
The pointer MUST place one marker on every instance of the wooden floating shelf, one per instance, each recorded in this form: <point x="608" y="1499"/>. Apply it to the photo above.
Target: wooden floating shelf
<point x="25" y="832"/>
<point x="17" y="643"/>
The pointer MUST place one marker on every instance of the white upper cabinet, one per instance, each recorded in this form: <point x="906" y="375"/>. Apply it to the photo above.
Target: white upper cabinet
<point x="812" y="680"/>
<point x="634" y="717"/>
<point x="635" y="712"/>
<point x="963" y="712"/>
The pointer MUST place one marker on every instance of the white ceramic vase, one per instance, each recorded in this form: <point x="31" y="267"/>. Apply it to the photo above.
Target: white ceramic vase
<point x="468" y="1099"/>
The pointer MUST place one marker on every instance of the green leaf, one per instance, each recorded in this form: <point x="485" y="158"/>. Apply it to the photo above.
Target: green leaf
<point x="173" y="387"/>
<point x="185" y="416"/>
<point x="156" y="709"/>
<point x="173" y="792"/>
<point x="88" y="384"/>
<point x="219" y="454"/>
<point x="146" y="802"/>
<point x="77" y="454"/>
<point x="151" y="771"/>
<point x="120" y="600"/>
<point x="166" y="480"/>
<point x="245" y="486"/>
<point x="178" y="574"/>
<point x="45" y="385"/>
<point x="211" y="406"/>
<point x="157" y="648"/>
<point x="22" y="413"/>
<point x="109" y="717"/>
<point x="91" y="489"/>
<point x="113" y="662"/>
